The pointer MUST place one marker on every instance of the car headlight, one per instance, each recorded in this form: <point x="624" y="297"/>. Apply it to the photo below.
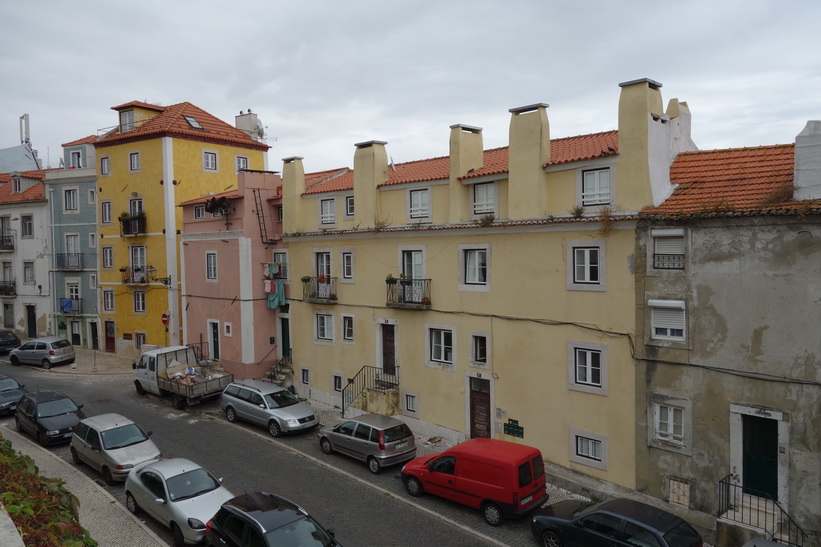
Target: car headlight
<point x="196" y="524"/>
<point x="52" y="432"/>
<point x="6" y="405"/>
<point x="125" y="466"/>
<point x="292" y="421"/>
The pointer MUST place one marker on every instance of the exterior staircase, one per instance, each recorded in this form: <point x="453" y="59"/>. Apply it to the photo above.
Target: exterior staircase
<point x="282" y="371"/>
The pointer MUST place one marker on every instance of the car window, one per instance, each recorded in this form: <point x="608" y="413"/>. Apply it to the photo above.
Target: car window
<point x="374" y="435"/>
<point x="60" y="344"/>
<point x="525" y="475"/>
<point x="346" y="428"/>
<point x="281" y="399"/>
<point x="244" y="394"/>
<point x="604" y="524"/>
<point x="233" y="527"/>
<point x="191" y="484"/>
<point x="682" y="535"/>
<point x="93" y="439"/>
<point x="81" y="431"/>
<point x="27" y="345"/>
<point x="255" y="399"/>
<point x="538" y="467"/>
<point x="55" y="408"/>
<point x="154" y="484"/>
<point x="8" y="383"/>
<point x="232" y="390"/>
<point x="363" y="432"/>
<point x="254" y="539"/>
<point x="40" y="346"/>
<point x="445" y="464"/>
<point x="6" y="335"/>
<point x="123" y="436"/>
<point x="639" y="536"/>
<point x="397" y="432"/>
<point x="300" y="532"/>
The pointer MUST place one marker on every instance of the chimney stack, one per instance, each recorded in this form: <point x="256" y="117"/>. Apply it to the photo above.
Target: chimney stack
<point x="808" y="161"/>
<point x="466" y="154"/>
<point x="293" y="186"/>
<point x="370" y="169"/>
<point x="529" y="139"/>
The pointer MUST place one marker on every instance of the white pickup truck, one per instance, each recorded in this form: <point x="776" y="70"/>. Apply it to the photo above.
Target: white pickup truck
<point x="175" y="370"/>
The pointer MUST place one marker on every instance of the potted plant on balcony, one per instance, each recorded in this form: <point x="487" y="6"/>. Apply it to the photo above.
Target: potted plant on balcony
<point x="305" y="278"/>
<point x="123" y="269"/>
<point x="404" y="280"/>
<point x="322" y="278"/>
<point x="390" y="279"/>
<point x="426" y="301"/>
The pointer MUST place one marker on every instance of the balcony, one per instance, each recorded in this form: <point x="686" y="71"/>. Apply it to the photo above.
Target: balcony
<point x="668" y="261"/>
<point x="132" y="225"/>
<point x="69" y="261"/>
<point x="7" y="238"/>
<point x="321" y="289"/>
<point x="8" y="288"/>
<point x="135" y="276"/>
<point x="409" y="294"/>
<point x="70" y="306"/>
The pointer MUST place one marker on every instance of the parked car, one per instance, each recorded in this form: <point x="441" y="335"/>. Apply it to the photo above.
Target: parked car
<point x="379" y="440"/>
<point x="267" y="404"/>
<point x="178" y="493"/>
<point x="265" y="520"/>
<point x="112" y="444"/>
<point x="10" y="393"/>
<point x="48" y="416"/>
<point x="500" y="478"/>
<point x="8" y="341"/>
<point x="611" y="523"/>
<point x="48" y="351"/>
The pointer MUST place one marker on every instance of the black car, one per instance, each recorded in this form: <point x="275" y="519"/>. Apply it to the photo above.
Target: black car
<point x="10" y="393"/>
<point x="264" y="519"/>
<point x="8" y="341"/>
<point x="618" y="522"/>
<point x="48" y="416"/>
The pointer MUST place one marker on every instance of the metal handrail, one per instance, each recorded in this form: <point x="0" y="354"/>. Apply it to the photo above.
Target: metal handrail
<point x="368" y="378"/>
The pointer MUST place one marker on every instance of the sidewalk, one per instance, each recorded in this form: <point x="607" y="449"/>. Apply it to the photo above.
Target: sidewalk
<point x="89" y="361"/>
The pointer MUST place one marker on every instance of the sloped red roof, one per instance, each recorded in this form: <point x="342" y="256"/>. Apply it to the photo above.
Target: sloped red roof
<point x="170" y="122"/>
<point x="85" y="140"/>
<point x="755" y="179"/>
<point x="35" y="193"/>
<point x="138" y="104"/>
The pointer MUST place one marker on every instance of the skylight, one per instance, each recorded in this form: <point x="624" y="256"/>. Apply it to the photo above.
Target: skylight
<point x="192" y="121"/>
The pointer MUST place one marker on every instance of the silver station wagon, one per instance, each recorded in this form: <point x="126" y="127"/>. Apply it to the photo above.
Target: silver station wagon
<point x="373" y="438"/>
<point x="267" y="404"/>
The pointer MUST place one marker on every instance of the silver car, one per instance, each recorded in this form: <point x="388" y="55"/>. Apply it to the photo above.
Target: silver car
<point x="112" y="444"/>
<point x="47" y="352"/>
<point x="178" y="493"/>
<point x="373" y="438"/>
<point x="267" y="404"/>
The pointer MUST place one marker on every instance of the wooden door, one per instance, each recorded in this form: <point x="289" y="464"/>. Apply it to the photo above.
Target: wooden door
<point x="479" y="408"/>
<point x="388" y="349"/>
<point x="110" y="333"/>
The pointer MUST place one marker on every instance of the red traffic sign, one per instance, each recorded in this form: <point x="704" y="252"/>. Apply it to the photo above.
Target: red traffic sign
<point x="164" y="319"/>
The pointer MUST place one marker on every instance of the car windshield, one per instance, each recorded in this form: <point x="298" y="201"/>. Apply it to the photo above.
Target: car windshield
<point x="303" y="532"/>
<point x="60" y="344"/>
<point x="191" y="484"/>
<point x="120" y="437"/>
<point x="281" y="399"/>
<point x="396" y="433"/>
<point x="6" y="335"/>
<point x="8" y="383"/>
<point x="682" y="535"/>
<point x="55" y="408"/>
<point x="585" y="509"/>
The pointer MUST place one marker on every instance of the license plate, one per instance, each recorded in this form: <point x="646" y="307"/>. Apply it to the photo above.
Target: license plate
<point x="526" y="500"/>
<point x="397" y="446"/>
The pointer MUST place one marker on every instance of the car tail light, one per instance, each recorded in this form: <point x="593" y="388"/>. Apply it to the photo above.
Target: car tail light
<point x="381" y="440"/>
<point x="209" y="525"/>
<point x="51" y="352"/>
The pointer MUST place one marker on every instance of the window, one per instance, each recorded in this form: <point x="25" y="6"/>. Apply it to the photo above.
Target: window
<point x="410" y="402"/>
<point x="242" y="162"/>
<point x="16" y="185"/>
<point x="7" y="276"/>
<point x="668" y="249"/>
<point x="126" y="120"/>
<point x="479" y="349"/>
<point x="92" y="240"/>
<point x="669" y="423"/>
<point x="347" y="265"/>
<point x="282" y="260"/>
<point x="324" y="327"/>
<point x="108" y="300"/>
<point x="327" y="211"/>
<point x="667" y="320"/>
<point x="349" y="210"/>
<point x="596" y="187"/>
<point x="105" y="165"/>
<point x="28" y="272"/>
<point x="441" y="346"/>
<point x="323" y="264"/>
<point x="139" y="339"/>
<point x="92" y="197"/>
<point x="588" y="449"/>
<point x="209" y="161"/>
<point x="347" y="328"/>
<point x="139" y="301"/>
<point x="587" y="367"/>
<point x="92" y="281"/>
<point x="484" y="198"/>
<point x="134" y="161"/>
<point x="337" y="379"/>
<point x="199" y="212"/>
<point x="192" y="121"/>
<point x="586" y="265"/>
<point x="73" y="290"/>
<point x="475" y="266"/>
<point x="135" y="206"/>
<point x="211" y="266"/>
<point x="27" y="224"/>
<point x="108" y="257"/>
<point x="306" y="376"/>
<point x="279" y="214"/>
<point x="70" y="199"/>
<point x="105" y="212"/>
<point x="76" y="159"/>
<point x="419" y="204"/>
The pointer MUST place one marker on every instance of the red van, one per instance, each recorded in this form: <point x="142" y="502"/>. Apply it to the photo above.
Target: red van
<point x="501" y="478"/>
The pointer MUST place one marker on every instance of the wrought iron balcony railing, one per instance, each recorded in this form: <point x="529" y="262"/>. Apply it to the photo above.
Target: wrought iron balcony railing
<point x="8" y="288"/>
<point x="134" y="225"/>
<point x="7" y="240"/>
<point x="668" y="262"/>
<point x="319" y="289"/>
<point x="70" y="305"/>
<point x="135" y="275"/>
<point x="69" y="261"/>
<point x="409" y="294"/>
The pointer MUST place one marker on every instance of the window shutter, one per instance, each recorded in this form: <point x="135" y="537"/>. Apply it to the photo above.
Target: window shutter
<point x="670" y="245"/>
<point x="667" y="318"/>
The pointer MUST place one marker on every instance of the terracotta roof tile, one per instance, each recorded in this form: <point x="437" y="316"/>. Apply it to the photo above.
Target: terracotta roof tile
<point x="138" y="104"/>
<point x="333" y="180"/>
<point x="230" y="194"/>
<point x="170" y="121"/>
<point x="85" y="140"/>
<point x="35" y="193"/>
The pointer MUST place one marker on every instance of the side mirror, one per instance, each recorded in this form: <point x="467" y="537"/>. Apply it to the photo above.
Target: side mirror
<point x="133" y="365"/>
<point x="79" y="407"/>
<point x="149" y="433"/>
<point x="159" y="500"/>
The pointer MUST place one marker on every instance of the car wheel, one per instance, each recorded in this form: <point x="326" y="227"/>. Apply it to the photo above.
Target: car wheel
<point x="325" y="445"/>
<point x="373" y="465"/>
<point x="179" y="540"/>
<point x="139" y="387"/>
<point x="551" y="539"/>
<point x="414" y="487"/>
<point x="274" y="429"/>
<point x="178" y="402"/>
<point x="15" y="362"/>
<point x="107" y="476"/>
<point x="74" y="457"/>
<point x="231" y="414"/>
<point x="492" y="513"/>
<point x="131" y="503"/>
<point x="46" y="364"/>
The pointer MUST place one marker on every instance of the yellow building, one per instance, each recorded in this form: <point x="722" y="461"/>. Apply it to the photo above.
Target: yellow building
<point x="155" y="158"/>
<point x="489" y="292"/>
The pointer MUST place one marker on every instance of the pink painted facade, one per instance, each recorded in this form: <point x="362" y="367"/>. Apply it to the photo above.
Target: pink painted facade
<point x="234" y="269"/>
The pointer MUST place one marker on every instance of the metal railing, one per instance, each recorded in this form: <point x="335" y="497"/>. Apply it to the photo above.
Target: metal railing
<point x="69" y="261"/>
<point x="70" y="305"/>
<point x="409" y="294"/>
<point x="280" y="367"/>
<point x="130" y="226"/>
<point x="8" y="288"/>
<point x="135" y="275"/>
<point x="369" y="378"/>
<point x="319" y="289"/>
<point x="758" y="509"/>
<point x="7" y="238"/>
<point x="668" y="261"/>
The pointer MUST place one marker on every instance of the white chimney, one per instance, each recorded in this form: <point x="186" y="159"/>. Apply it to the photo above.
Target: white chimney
<point x="808" y="162"/>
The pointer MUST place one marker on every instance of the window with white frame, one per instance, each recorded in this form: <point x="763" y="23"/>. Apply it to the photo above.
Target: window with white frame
<point x="126" y="120"/>
<point x="484" y="198"/>
<point x="588" y="449"/>
<point x="410" y="402"/>
<point x="324" y="326"/>
<point x="209" y="160"/>
<point x="105" y="165"/>
<point x="667" y="320"/>
<point x="349" y="210"/>
<point x="475" y="266"/>
<point x="92" y="240"/>
<point x="139" y="301"/>
<point x="668" y="249"/>
<point x="347" y="265"/>
<point x="92" y="281"/>
<point x="92" y="197"/>
<point x="479" y="353"/>
<point x="327" y="211"/>
<point x="28" y="272"/>
<point x="138" y="257"/>
<point x="139" y="339"/>
<point x="282" y="260"/>
<point x="596" y="187"/>
<point x="419" y="206"/>
<point x="192" y="121"/>
<point x="27" y="225"/>
<point x="70" y="201"/>
<point x="669" y="423"/>
<point x="323" y="264"/>
<point x="108" y="257"/>
<point x="347" y="328"/>
<point x="337" y="380"/>
<point x="73" y="290"/>
<point x="211" y="266"/>
<point x="135" y="206"/>
<point x="105" y="212"/>
<point x="199" y="212"/>
<point x="586" y="265"/>
<point x="7" y="275"/>
<point x="76" y="159"/>
<point x="242" y="162"/>
<point x="441" y="346"/>
<point x="16" y="185"/>
<point x="306" y="376"/>
<point x="587" y="367"/>
<point x="134" y="161"/>
<point x="108" y="300"/>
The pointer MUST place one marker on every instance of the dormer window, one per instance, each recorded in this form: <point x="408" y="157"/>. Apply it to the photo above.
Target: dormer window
<point x="484" y="198"/>
<point x="15" y="185"/>
<point x="596" y="187"/>
<point x="192" y="121"/>
<point x="126" y="120"/>
<point x="76" y="159"/>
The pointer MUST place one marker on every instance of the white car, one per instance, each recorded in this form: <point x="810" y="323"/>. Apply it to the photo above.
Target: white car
<point x="178" y="493"/>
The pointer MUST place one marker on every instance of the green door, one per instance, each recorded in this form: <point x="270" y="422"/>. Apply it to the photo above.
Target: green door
<point x="760" y="456"/>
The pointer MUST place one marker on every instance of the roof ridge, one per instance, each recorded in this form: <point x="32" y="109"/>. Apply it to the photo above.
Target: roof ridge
<point x="738" y="149"/>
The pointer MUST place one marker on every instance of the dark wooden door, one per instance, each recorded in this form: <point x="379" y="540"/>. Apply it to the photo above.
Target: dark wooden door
<point x="760" y="456"/>
<point x="215" y="340"/>
<point x="479" y="408"/>
<point x="31" y="321"/>
<point x="95" y="336"/>
<point x="110" y="333"/>
<point x="388" y="349"/>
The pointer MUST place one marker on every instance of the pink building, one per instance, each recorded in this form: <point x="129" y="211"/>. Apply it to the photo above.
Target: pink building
<point x="235" y="276"/>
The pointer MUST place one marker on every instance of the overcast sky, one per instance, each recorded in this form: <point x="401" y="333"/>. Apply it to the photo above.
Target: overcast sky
<point x="324" y="75"/>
